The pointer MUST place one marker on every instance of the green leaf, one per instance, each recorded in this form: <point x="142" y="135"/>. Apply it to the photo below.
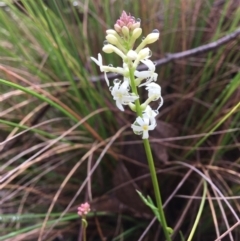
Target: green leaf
<point x="148" y="201"/>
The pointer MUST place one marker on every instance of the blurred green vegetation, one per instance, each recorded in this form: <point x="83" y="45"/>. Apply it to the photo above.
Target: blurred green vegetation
<point x="58" y="122"/>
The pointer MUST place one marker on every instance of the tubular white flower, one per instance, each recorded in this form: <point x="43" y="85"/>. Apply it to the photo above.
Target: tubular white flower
<point x="102" y="67"/>
<point x="150" y="74"/>
<point x="154" y="91"/>
<point x="109" y="48"/>
<point x="111" y="31"/>
<point x="121" y="95"/>
<point x="142" y="125"/>
<point x="136" y="33"/>
<point x="150" y="113"/>
<point x="132" y="55"/>
<point x="117" y="70"/>
<point x="112" y="39"/>
<point x="143" y="54"/>
<point x="152" y="37"/>
<point x="105" y="68"/>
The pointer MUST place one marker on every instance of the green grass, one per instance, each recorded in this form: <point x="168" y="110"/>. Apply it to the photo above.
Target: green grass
<point x="56" y="123"/>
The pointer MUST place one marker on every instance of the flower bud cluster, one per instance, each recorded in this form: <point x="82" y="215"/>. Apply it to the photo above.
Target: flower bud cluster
<point x="126" y="23"/>
<point x="84" y="209"/>
<point x="121" y="41"/>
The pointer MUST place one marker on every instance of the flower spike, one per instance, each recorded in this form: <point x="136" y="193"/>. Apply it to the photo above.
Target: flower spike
<point x="120" y="41"/>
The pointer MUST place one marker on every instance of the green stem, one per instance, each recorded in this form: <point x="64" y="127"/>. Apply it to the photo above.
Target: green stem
<point x="84" y="228"/>
<point x="156" y="187"/>
<point x="150" y="160"/>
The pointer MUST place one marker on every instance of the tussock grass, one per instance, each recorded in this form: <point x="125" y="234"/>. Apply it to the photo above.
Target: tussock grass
<point x="64" y="142"/>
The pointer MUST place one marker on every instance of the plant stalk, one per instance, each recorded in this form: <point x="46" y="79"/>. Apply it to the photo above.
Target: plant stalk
<point x="150" y="160"/>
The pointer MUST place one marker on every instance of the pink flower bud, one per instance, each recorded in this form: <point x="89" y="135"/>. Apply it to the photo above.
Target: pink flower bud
<point x="117" y="27"/>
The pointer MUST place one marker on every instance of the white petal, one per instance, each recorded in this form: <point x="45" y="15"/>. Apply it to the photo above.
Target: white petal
<point x="126" y="80"/>
<point x="144" y="53"/>
<point x="153" y="90"/>
<point x="148" y="109"/>
<point x="100" y="59"/>
<point x="127" y="99"/>
<point x="145" y="135"/>
<point x="142" y="74"/>
<point x="136" y="128"/>
<point x="133" y="96"/>
<point x="153" y="122"/>
<point x="140" y="121"/>
<point x="152" y="126"/>
<point x="149" y="80"/>
<point x="149" y="113"/>
<point x="153" y="86"/>
<point x="125" y="85"/>
<point x="146" y="120"/>
<point x="161" y="103"/>
<point x="106" y="78"/>
<point x="155" y="75"/>
<point x="95" y="60"/>
<point x="149" y="64"/>
<point x="119" y="105"/>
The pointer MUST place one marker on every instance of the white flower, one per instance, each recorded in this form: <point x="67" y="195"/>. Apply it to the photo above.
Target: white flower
<point x="102" y="68"/>
<point x="112" y="39"/>
<point x="154" y="91"/>
<point x="141" y="126"/>
<point x="144" y="53"/>
<point x="109" y="68"/>
<point x="111" y="31"/>
<point x="150" y="74"/>
<point x="136" y="33"/>
<point x="150" y="113"/>
<point x="152" y="37"/>
<point x="120" y="93"/>
<point x="132" y="55"/>
<point x="98" y="61"/>
<point x="109" y="48"/>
